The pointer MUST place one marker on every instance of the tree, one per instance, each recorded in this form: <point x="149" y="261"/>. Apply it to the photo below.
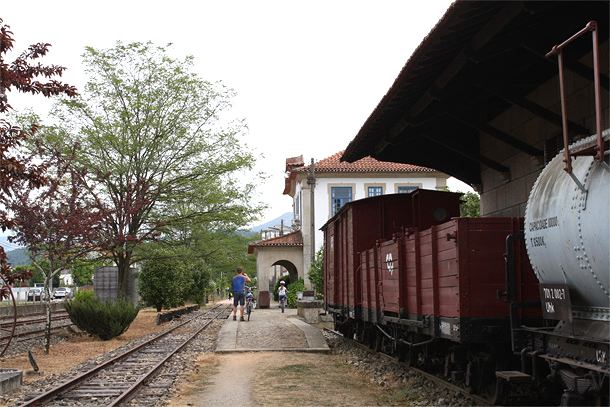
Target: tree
<point x="82" y="271"/>
<point x="471" y="205"/>
<point x="18" y="171"/>
<point x="316" y="273"/>
<point x="59" y="222"/>
<point x="164" y="155"/>
<point x="165" y="281"/>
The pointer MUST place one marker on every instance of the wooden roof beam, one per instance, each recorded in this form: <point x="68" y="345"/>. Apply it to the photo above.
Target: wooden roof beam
<point x="533" y="107"/>
<point x="497" y="134"/>
<point x="485" y="35"/>
<point x="578" y="68"/>
<point x="473" y="155"/>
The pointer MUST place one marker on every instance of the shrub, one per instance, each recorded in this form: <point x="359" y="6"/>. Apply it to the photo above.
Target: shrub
<point x="164" y="283"/>
<point x="84" y="295"/>
<point x="316" y="274"/>
<point x="105" y="320"/>
<point x="298" y="285"/>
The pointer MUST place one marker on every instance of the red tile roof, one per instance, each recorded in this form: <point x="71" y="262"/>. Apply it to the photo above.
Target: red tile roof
<point x="334" y="164"/>
<point x="294" y="239"/>
<point x="366" y="164"/>
<point x="293" y="162"/>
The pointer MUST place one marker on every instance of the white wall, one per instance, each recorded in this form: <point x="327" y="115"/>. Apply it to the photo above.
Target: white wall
<point x="359" y="191"/>
<point x="359" y="183"/>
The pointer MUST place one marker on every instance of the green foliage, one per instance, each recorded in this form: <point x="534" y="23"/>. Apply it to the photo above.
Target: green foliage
<point x="102" y="319"/>
<point x="82" y="271"/>
<point x="164" y="282"/>
<point x="199" y="281"/>
<point x="316" y="273"/>
<point x="38" y="275"/>
<point x="84" y="295"/>
<point x="470" y="206"/>
<point x="293" y="288"/>
<point x="169" y="158"/>
<point x="223" y="251"/>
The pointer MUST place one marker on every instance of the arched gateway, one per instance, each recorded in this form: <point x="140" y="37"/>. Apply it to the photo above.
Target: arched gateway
<point x="285" y="251"/>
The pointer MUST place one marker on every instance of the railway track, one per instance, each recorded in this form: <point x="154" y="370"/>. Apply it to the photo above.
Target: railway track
<point x="131" y="375"/>
<point x="30" y="327"/>
<point x="439" y="381"/>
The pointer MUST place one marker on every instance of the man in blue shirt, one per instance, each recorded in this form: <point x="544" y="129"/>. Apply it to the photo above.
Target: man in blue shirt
<point x="239" y="292"/>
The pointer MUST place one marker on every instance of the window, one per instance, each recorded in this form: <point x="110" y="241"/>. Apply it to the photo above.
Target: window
<point x="297" y="206"/>
<point x="375" y="191"/>
<point x="406" y="190"/>
<point x="339" y="197"/>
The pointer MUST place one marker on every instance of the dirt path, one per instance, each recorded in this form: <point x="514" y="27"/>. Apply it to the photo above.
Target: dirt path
<point x="279" y="379"/>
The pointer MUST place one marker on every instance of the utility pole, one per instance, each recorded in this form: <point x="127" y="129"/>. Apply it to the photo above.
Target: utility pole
<point x="311" y="181"/>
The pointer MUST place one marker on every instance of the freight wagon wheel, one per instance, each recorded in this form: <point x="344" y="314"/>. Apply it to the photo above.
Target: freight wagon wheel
<point x="8" y="322"/>
<point x="493" y="389"/>
<point x="405" y="354"/>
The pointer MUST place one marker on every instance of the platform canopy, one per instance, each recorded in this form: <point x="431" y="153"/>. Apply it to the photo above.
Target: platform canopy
<point x="481" y="59"/>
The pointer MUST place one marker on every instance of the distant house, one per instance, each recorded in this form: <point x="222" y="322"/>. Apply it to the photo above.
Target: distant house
<point x="66" y="277"/>
<point x="319" y="190"/>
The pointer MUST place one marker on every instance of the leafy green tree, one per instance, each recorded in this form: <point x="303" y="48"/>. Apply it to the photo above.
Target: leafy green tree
<point x="316" y="273"/>
<point x="471" y="205"/>
<point x="164" y="152"/>
<point x="40" y="272"/>
<point x="83" y="270"/>
<point x="199" y="281"/>
<point x="166" y="281"/>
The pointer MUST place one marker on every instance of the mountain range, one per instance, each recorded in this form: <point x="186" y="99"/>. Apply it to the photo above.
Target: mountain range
<point x="287" y="218"/>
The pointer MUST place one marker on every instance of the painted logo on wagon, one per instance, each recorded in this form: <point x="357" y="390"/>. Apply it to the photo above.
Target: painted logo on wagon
<point x="390" y="263"/>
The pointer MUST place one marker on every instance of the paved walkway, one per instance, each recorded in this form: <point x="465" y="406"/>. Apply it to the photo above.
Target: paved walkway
<point x="270" y="330"/>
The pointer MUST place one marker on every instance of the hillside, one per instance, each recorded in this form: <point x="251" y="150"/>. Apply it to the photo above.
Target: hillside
<point x="287" y="218"/>
<point x="18" y="257"/>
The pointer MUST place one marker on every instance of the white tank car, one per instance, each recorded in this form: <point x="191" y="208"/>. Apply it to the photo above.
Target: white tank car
<point x="567" y="233"/>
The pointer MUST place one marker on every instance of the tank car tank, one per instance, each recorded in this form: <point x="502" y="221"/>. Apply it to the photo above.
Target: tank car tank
<point x="567" y="232"/>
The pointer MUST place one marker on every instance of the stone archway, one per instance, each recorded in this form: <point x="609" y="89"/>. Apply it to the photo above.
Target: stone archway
<point x="293" y="274"/>
<point x="278" y="272"/>
<point x="285" y="251"/>
<point x="267" y="258"/>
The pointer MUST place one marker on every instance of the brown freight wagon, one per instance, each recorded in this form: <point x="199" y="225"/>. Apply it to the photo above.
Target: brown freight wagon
<point x="360" y="224"/>
<point x="444" y="281"/>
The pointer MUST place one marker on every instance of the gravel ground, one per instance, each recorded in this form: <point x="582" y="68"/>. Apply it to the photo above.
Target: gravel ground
<point x="348" y="376"/>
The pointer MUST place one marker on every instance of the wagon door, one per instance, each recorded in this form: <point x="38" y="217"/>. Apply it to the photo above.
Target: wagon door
<point x="390" y="293"/>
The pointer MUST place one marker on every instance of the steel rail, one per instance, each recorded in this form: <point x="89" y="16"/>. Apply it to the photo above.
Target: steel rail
<point x="63" y="388"/>
<point x="133" y="390"/>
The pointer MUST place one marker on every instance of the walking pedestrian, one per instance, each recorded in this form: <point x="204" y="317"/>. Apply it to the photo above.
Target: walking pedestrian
<point x="239" y="292"/>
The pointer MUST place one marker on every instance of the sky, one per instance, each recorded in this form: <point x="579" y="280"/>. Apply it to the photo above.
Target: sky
<point x="307" y="73"/>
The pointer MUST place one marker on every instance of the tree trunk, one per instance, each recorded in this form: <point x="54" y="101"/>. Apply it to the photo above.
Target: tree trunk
<point x="47" y="330"/>
<point x="123" y="273"/>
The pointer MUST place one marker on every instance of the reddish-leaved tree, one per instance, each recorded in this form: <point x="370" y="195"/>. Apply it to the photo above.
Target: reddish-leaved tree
<point x="18" y="171"/>
<point x="60" y="221"/>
